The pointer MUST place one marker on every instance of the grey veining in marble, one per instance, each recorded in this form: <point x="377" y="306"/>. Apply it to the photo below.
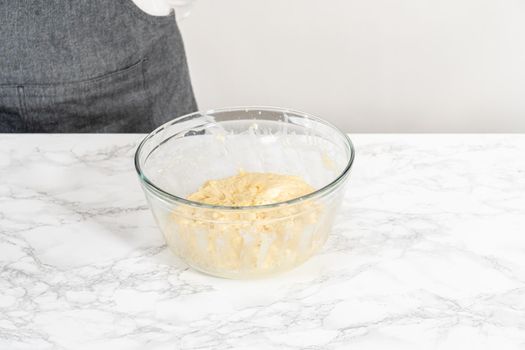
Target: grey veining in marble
<point x="428" y="252"/>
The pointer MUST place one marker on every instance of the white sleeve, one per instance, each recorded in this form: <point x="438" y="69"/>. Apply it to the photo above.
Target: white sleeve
<point x="182" y="7"/>
<point x="163" y="7"/>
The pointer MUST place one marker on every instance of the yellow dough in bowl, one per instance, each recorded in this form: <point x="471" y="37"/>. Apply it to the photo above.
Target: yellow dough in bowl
<point x="242" y="243"/>
<point x="250" y="189"/>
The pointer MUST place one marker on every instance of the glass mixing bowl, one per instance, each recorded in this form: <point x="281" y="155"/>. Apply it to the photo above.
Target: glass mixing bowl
<point x="240" y="242"/>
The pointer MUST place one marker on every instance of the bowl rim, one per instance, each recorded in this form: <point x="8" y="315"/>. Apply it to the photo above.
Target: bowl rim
<point x="312" y="195"/>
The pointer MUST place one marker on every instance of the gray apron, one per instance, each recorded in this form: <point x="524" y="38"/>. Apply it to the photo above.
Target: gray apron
<point x="89" y="66"/>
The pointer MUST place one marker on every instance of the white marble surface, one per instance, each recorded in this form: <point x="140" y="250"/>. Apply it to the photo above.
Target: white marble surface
<point x="428" y="252"/>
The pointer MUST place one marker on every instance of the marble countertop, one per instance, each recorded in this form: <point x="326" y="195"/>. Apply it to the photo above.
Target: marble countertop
<point x="428" y="252"/>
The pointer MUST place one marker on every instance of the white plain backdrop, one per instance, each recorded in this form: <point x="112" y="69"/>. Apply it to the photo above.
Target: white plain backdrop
<point x="365" y="65"/>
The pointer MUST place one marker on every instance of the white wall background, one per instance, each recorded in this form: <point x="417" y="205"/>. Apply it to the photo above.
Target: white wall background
<point x="366" y="65"/>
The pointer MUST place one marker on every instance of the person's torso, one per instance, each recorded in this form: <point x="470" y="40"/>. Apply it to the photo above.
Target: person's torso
<point x="74" y="65"/>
